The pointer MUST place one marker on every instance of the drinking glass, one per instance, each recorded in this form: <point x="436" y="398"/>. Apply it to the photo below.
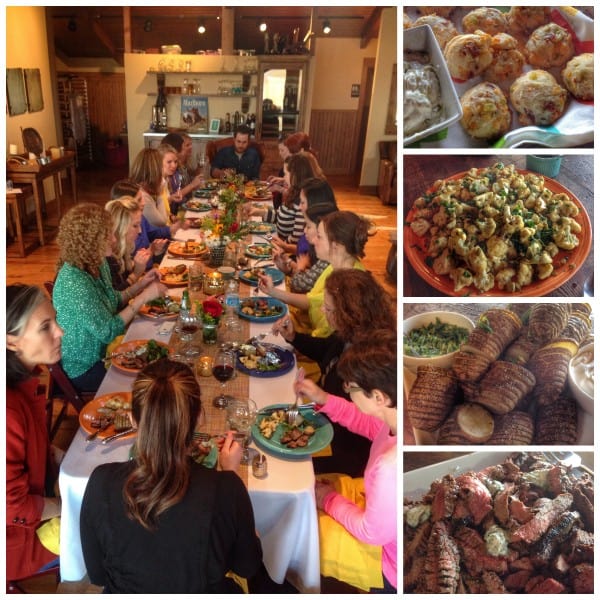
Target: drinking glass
<point x="241" y="415"/>
<point x="223" y="369"/>
<point x="188" y="326"/>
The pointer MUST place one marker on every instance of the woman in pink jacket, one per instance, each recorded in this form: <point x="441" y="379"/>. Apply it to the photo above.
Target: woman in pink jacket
<point x="369" y="370"/>
<point x="33" y="337"/>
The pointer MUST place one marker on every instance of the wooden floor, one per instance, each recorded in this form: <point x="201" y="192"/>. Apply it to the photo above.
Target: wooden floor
<point x="94" y="186"/>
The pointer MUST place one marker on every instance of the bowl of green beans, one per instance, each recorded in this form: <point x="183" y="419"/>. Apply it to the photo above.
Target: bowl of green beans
<point x="433" y="338"/>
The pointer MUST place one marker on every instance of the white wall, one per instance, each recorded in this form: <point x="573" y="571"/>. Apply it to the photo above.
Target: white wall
<point x="387" y="55"/>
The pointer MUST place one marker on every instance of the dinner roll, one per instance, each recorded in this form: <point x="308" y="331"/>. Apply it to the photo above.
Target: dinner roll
<point x="468" y="55"/>
<point x="578" y="76"/>
<point x="522" y="20"/>
<point x="549" y="46"/>
<point x="538" y="98"/>
<point x="486" y="114"/>
<point x="442" y="28"/>
<point x="490" y="20"/>
<point x="507" y="62"/>
<point x="442" y="11"/>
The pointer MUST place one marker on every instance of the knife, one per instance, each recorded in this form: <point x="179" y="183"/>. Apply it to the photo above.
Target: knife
<point x="119" y="435"/>
<point x="100" y="429"/>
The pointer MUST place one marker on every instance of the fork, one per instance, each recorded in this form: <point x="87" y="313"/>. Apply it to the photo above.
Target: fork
<point x="116" y="436"/>
<point x="292" y="412"/>
<point x="569" y="460"/>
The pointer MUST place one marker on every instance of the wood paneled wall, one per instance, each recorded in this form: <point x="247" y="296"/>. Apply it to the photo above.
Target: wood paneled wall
<point x="332" y="135"/>
<point x="106" y="108"/>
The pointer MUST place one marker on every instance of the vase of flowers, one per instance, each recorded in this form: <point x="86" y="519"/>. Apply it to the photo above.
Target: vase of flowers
<point x="210" y="312"/>
<point x="224" y="226"/>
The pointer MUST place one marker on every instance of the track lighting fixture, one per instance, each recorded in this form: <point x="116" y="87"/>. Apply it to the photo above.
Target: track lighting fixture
<point x="72" y="25"/>
<point x="262" y="26"/>
<point x="148" y="25"/>
<point x="327" y="27"/>
<point x="201" y="28"/>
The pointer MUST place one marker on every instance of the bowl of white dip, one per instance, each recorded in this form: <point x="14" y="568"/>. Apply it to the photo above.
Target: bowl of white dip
<point x="430" y="100"/>
<point x="581" y="378"/>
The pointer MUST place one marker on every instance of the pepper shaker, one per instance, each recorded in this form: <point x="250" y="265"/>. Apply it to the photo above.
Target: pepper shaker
<point x="259" y="466"/>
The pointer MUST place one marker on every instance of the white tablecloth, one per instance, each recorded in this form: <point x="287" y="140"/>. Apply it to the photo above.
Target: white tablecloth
<point x="283" y="502"/>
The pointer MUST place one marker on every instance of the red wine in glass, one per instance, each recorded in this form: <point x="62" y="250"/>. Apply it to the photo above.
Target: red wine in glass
<point x="189" y="328"/>
<point x="223" y="373"/>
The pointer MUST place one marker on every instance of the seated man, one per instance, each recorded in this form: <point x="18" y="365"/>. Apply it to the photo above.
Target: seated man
<point x="239" y="158"/>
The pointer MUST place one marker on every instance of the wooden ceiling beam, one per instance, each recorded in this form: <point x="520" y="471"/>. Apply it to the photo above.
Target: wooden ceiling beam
<point x="103" y="36"/>
<point x="370" y="29"/>
<point x="127" y="29"/>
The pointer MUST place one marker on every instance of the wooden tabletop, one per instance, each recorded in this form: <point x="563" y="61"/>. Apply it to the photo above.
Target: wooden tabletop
<point x="421" y="171"/>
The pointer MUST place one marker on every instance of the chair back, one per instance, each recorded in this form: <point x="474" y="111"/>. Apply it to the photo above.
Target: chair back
<point x="214" y="146"/>
<point x="49" y="287"/>
<point x="60" y="378"/>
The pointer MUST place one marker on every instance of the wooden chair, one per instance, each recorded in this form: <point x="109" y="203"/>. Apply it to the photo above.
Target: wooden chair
<point x="214" y="146"/>
<point x="66" y="394"/>
<point x="49" y="287"/>
<point x="387" y="182"/>
<point x="36" y="583"/>
<point x="14" y="224"/>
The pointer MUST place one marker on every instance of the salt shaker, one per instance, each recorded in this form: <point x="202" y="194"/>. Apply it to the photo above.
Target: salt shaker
<point x="259" y="466"/>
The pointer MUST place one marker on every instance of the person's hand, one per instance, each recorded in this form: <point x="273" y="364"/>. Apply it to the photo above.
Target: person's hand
<point x="140" y="260"/>
<point x="158" y="246"/>
<point x="265" y="283"/>
<point x="175" y="227"/>
<point x="197" y="181"/>
<point x="185" y="224"/>
<point x="275" y="179"/>
<point x="309" y="389"/>
<point x="150" y="276"/>
<point x="302" y="262"/>
<point x="277" y="242"/>
<point x="285" y="328"/>
<point x="152" y="291"/>
<point x="230" y="453"/>
<point x="177" y="197"/>
<point x="322" y="489"/>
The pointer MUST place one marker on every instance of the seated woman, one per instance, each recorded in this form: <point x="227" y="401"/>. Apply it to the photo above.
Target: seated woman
<point x="369" y="371"/>
<point x="171" y="184"/>
<point x="125" y="269"/>
<point x="183" y="182"/>
<point x="340" y="240"/>
<point x="289" y="218"/>
<point x="354" y="304"/>
<point x="33" y="338"/>
<point x="90" y="311"/>
<point x="305" y="268"/>
<point x="162" y="523"/>
<point x="154" y="238"/>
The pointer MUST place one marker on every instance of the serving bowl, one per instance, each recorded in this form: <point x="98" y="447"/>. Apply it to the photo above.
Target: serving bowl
<point x="584" y="394"/>
<point x="423" y="319"/>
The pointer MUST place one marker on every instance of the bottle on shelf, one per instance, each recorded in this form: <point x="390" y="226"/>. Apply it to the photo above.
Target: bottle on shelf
<point x="253" y="123"/>
<point x="237" y="120"/>
<point x="227" y="123"/>
<point x="286" y="99"/>
<point x="292" y="102"/>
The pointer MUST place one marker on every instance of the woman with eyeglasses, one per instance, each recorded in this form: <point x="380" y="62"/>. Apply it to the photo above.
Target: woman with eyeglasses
<point x="33" y="338"/>
<point x="354" y="305"/>
<point x="369" y="371"/>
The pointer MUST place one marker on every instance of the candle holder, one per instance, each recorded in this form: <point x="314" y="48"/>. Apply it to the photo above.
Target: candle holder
<point x="213" y="284"/>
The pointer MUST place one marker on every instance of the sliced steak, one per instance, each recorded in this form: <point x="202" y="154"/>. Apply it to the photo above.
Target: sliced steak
<point x="534" y="529"/>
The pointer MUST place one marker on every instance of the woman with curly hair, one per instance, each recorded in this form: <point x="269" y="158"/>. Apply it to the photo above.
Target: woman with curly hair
<point x="162" y="523"/>
<point x="339" y="239"/>
<point x="355" y="305"/>
<point x="33" y="338"/>
<point x="90" y="311"/>
<point x="126" y="268"/>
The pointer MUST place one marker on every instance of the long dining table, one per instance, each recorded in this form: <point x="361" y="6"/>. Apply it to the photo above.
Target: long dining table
<point x="283" y="502"/>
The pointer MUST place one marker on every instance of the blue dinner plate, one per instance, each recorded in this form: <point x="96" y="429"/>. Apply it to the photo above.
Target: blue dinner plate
<point x="196" y="206"/>
<point x="319" y="440"/>
<point x="287" y="363"/>
<point x="255" y="302"/>
<point x="204" y="193"/>
<point x="251" y="251"/>
<point x="276" y="275"/>
<point x="258" y="227"/>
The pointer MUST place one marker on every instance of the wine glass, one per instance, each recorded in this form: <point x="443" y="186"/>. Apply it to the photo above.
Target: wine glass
<point x="188" y="326"/>
<point x="223" y="369"/>
<point x="241" y="415"/>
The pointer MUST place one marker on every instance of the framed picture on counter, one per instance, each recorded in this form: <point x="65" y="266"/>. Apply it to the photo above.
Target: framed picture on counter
<point x="194" y="113"/>
<point x="215" y="125"/>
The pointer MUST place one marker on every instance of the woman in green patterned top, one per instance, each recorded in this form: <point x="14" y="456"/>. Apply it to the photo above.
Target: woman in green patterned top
<point x="89" y="310"/>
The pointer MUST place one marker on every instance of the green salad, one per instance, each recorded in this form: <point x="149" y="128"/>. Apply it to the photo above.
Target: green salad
<point x="434" y="339"/>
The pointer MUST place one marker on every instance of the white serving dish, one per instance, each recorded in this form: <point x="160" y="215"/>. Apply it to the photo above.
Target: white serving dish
<point x="584" y="400"/>
<point x="445" y="360"/>
<point x="421" y="39"/>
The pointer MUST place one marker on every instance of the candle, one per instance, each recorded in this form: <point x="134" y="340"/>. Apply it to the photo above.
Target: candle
<point x="213" y="283"/>
<point x="13" y="149"/>
<point x="204" y="366"/>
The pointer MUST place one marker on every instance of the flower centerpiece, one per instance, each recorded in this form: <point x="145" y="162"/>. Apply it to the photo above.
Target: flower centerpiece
<point x="209" y="311"/>
<point x="224" y="226"/>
